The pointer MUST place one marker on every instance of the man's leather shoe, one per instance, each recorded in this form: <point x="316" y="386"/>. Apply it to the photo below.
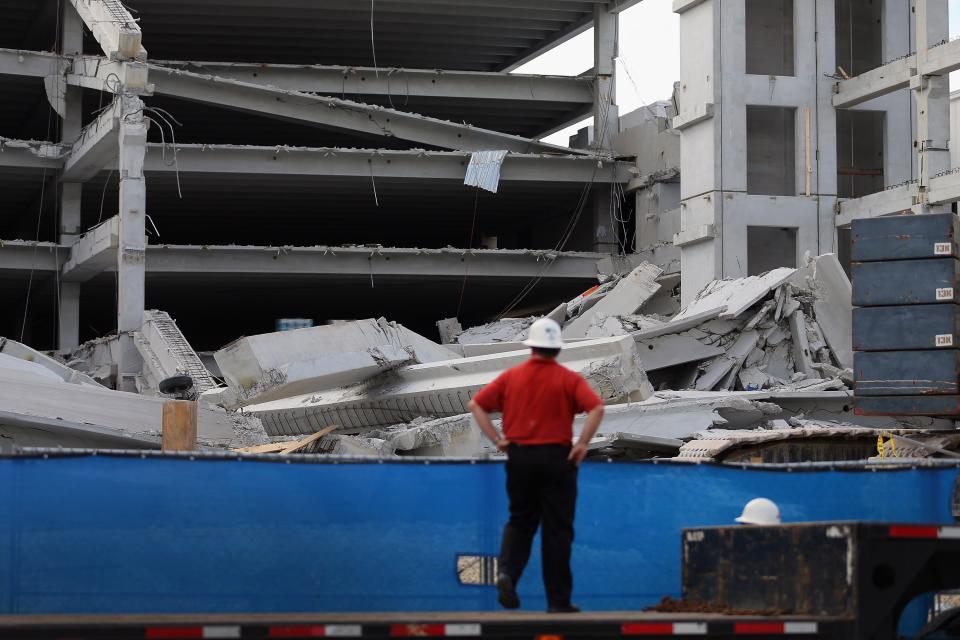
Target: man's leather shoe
<point x="564" y="608"/>
<point x="507" y="592"/>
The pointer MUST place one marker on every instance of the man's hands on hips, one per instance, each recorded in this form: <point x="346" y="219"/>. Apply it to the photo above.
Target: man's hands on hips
<point x="577" y="453"/>
<point x="503" y="444"/>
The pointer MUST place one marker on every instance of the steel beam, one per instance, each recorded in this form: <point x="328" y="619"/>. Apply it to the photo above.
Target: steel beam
<point x="399" y="83"/>
<point x="335" y="112"/>
<point x="381" y="262"/>
<point x="94" y="253"/>
<point x="96" y="147"/>
<point x="37" y="64"/>
<point x="114" y="28"/>
<point x="360" y="163"/>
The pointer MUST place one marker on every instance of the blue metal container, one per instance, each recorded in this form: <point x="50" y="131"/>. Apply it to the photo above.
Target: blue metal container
<point x="904" y="237"/>
<point x="165" y="533"/>
<point x="933" y="326"/>
<point x="907" y="405"/>
<point x="906" y="373"/>
<point x="905" y="282"/>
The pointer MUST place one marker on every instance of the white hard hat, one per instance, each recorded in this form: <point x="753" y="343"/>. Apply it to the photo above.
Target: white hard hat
<point x="760" y="511"/>
<point x="544" y="333"/>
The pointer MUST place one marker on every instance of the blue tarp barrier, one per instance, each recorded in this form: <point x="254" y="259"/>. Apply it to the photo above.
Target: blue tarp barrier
<point x="121" y="534"/>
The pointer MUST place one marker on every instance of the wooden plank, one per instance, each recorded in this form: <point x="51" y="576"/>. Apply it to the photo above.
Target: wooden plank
<point x="301" y="444"/>
<point x="293" y="446"/>
<point x="179" y="425"/>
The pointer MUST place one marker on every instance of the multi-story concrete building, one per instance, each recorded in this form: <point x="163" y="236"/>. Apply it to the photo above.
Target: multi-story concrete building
<point x="295" y="159"/>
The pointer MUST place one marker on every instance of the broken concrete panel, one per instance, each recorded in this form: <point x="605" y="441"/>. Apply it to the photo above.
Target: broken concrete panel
<point x="778" y="362"/>
<point x="449" y="329"/>
<point x="753" y="378"/>
<point x="728" y="364"/>
<point x="733" y="297"/>
<point x="46" y="412"/>
<point x="802" y="357"/>
<point x="512" y="330"/>
<point x="832" y="307"/>
<point x="439" y="389"/>
<point x="678" y="415"/>
<point x="715" y="444"/>
<point x="559" y="314"/>
<point x="288" y="363"/>
<point x="21" y="351"/>
<point x="669" y="351"/>
<point x="27" y="368"/>
<point x="626" y="297"/>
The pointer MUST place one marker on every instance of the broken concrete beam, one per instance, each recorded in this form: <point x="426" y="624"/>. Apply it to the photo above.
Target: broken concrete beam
<point x="287" y="363"/>
<point x="802" y="358"/>
<point x="441" y="389"/>
<point x="21" y="351"/>
<point x="669" y="351"/>
<point x="651" y="444"/>
<point x="625" y="298"/>
<point x="728" y="365"/>
<point x="166" y="353"/>
<point x="678" y="415"/>
<point x="38" y="411"/>
<point x="733" y="297"/>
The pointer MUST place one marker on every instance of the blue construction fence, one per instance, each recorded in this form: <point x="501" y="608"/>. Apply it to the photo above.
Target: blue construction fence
<point x="125" y="534"/>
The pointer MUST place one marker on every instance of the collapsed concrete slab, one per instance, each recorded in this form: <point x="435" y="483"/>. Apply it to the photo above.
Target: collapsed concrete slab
<point x="733" y="297"/>
<point x="288" y="363"/>
<point x="21" y="351"/>
<point x="678" y="415"/>
<point x="625" y="298"/>
<point x="40" y="411"/>
<point x="441" y="389"/>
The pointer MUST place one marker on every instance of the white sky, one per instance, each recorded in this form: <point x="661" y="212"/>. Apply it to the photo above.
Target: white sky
<point x="649" y="61"/>
<point x="649" y="57"/>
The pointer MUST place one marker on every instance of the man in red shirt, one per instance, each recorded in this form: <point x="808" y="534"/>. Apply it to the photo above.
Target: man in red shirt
<point x="539" y="399"/>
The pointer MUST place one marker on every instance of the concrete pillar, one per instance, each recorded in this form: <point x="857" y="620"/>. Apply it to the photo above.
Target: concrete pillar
<point x="933" y="102"/>
<point x="70" y="193"/>
<point x="131" y="255"/>
<point x="606" y="119"/>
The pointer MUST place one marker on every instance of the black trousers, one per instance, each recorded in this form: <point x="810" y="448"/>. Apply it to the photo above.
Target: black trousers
<point x="542" y="487"/>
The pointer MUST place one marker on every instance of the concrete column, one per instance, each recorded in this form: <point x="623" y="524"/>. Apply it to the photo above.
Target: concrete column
<point x="606" y="119"/>
<point x="933" y="102"/>
<point x="131" y="255"/>
<point x="70" y="193"/>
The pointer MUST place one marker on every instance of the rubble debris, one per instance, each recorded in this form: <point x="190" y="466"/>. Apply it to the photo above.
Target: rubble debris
<point x="441" y="389"/>
<point x="284" y="448"/>
<point x="733" y="297"/>
<point x="801" y="440"/>
<point x="632" y="446"/>
<point x="443" y="437"/>
<point x="449" y="329"/>
<point x="512" y="330"/>
<point x="278" y="365"/>
<point x="624" y="298"/>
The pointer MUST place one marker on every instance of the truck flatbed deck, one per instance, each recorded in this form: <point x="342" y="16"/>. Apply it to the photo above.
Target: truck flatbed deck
<point x="607" y="624"/>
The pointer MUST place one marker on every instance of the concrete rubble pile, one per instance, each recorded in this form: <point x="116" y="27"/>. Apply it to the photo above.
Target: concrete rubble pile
<point x="755" y="369"/>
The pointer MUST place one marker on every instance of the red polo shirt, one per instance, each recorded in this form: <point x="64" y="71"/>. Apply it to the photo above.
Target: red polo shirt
<point x="539" y="399"/>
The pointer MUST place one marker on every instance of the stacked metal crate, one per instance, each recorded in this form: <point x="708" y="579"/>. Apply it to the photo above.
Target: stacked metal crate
<point x="906" y="332"/>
